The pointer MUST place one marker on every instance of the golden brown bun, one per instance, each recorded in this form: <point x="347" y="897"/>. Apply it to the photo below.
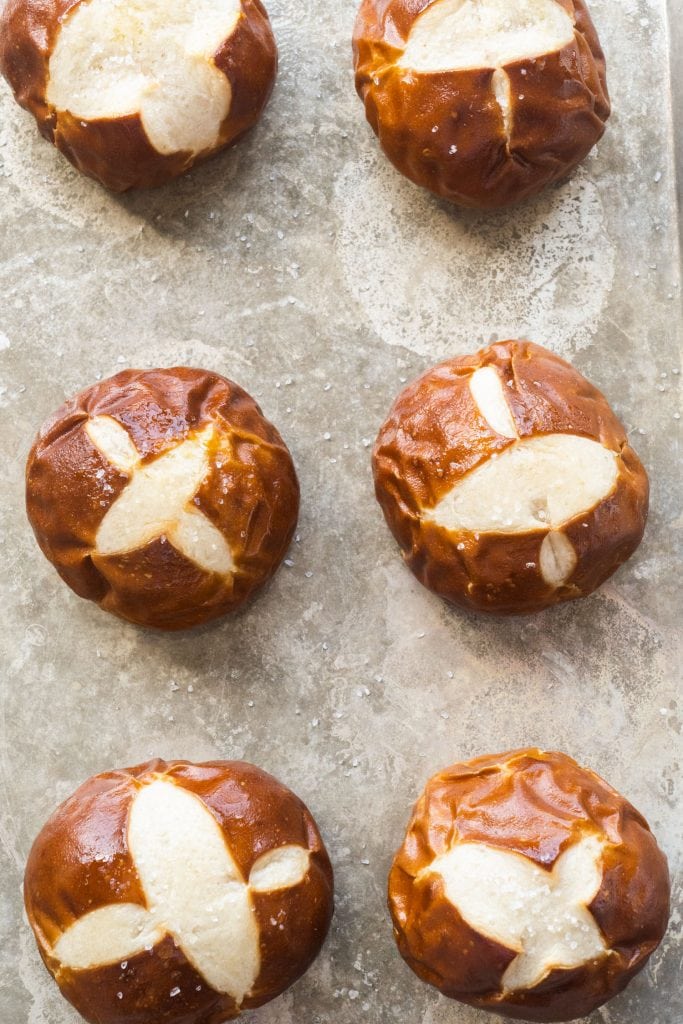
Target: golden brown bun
<point x="435" y="435"/>
<point x="81" y="862"/>
<point x="539" y="805"/>
<point x="116" y="151"/>
<point x="558" y="109"/>
<point x="250" y="494"/>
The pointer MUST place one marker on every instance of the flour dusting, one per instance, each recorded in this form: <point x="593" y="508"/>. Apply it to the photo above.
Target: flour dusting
<point x="441" y="281"/>
<point x="43" y="180"/>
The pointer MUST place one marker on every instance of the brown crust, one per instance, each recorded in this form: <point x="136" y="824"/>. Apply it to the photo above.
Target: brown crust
<point x="80" y="861"/>
<point x="434" y="435"/>
<point x="251" y="494"/>
<point x="560" y="118"/>
<point x="536" y="804"/>
<point x="116" y="152"/>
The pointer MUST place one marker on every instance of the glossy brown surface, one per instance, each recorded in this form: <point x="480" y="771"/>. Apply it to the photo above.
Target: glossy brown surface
<point x="434" y="435"/>
<point x="80" y="861"/>
<point x="251" y="494"/>
<point x="537" y="804"/>
<point x="116" y="151"/>
<point x="559" y="106"/>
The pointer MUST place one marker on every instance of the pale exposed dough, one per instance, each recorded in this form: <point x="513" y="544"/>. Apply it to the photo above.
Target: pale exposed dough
<point x="454" y="35"/>
<point x="193" y="889"/>
<point x="193" y="885"/>
<point x="279" y="869"/>
<point x="157" y="500"/>
<point x="114" y="442"/>
<point x="502" y="91"/>
<point x="487" y="391"/>
<point x="114" y="58"/>
<point x="541" y="481"/>
<point x="103" y="936"/>
<point x="557" y="559"/>
<point x="542" y="915"/>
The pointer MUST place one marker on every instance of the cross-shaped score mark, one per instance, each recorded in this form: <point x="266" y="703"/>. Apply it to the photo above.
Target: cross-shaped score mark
<point x="194" y="892"/>
<point x="542" y="915"/>
<point x="457" y="35"/>
<point x="157" y="499"/>
<point x="538" y="483"/>
<point x="115" y="59"/>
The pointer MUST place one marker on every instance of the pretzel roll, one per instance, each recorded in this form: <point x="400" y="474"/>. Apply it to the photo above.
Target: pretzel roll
<point x="483" y="102"/>
<point x="508" y="481"/>
<point x="163" y="495"/>
<point x="527" y="886"/>
<point x="178" y="893"/>
<point x="135" y="93"/>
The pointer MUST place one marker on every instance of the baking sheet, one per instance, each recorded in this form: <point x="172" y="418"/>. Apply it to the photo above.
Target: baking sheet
<point x="304" y="267"/>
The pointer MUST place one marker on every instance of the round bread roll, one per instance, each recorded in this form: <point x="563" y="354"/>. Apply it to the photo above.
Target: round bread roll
<point x="480" y="101"/>
<point x="527" y="886"/>
<point x="135" y="93"/>
<point x="163" y="495"/>
<point x="178" y="893"/>
<point x="508" y="481"/>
